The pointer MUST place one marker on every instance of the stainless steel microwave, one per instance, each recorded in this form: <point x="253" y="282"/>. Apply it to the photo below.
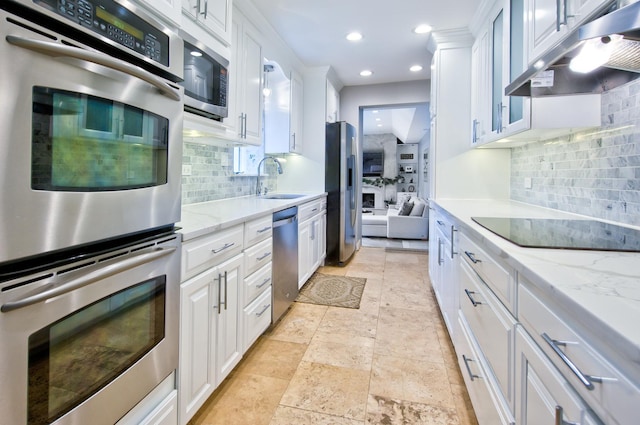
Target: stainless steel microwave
<point x="206" y="79"/>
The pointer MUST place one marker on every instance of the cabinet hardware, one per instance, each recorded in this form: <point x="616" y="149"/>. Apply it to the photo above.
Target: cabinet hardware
<point x="227" y="245"/>
<point x="264" y="282"/>
<point x="225" y="289"/>
<point x="264" y="229"/>
<point x="440" y="244"/>
<point x="586" y="380"/>
<point x="265" y="255"/>
<point x="474" y="302"/>
<point x="219" y="292"/>
<point x="559" y="417"/>
<point x="474" y="131"/>
<point x="264" y="308"/>
<point x="453" y="230"/>
<point x="472" y="257"/>
<point x="441" y="223"/>
<point x="466" y="363"/>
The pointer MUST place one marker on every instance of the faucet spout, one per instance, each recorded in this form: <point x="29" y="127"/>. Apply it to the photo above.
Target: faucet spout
<point x="279" y="168"/>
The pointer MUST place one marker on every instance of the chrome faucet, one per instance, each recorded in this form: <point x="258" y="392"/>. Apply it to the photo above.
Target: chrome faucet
<point x="278" y="165"/>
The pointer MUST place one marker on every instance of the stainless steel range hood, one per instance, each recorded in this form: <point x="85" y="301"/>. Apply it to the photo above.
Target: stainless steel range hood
<point x="622" y="67"/>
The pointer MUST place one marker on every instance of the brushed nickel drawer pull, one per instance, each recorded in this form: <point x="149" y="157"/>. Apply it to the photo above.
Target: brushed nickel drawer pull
<point x="264" y="229"/>
<point x="554" y="344"/>
<point x="265" y="255"/>
<point x="264" y="282"/>
<point x="472" y="257"/>
<point x="474" y="302"/>
<point x="466" y="363"/>
<point x="440" y="222"/>
<point x="559" y="417"/>
<point x="264" y="308"/>
<point x="227" y="245"/>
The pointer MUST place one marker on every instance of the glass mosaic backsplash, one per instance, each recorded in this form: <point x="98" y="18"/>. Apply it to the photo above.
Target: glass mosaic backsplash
<point x="594" y="173"/>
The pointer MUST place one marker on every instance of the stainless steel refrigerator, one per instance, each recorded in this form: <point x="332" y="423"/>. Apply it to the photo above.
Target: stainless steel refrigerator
<point x="342" y="184"/>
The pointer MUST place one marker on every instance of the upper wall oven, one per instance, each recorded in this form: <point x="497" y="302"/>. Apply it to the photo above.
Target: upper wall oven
<point x="206" y="80"/>
<point x="90" y="138"/>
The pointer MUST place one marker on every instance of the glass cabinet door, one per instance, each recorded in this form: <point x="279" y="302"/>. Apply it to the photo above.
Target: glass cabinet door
<point x="516" y="56"/>
<point x="496" y="72"/>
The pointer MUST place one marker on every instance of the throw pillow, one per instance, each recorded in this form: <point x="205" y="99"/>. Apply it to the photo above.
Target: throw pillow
<point x="418" y="209"/>
<point x="402" y="199"/>
<point x="405" y="208"/>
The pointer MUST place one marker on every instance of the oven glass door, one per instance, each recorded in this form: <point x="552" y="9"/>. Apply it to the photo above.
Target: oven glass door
<point x="73" y="358"/>
<point x="86" y="143"/>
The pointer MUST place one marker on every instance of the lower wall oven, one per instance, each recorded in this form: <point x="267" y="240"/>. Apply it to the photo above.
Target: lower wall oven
<point x="85" y="341"/>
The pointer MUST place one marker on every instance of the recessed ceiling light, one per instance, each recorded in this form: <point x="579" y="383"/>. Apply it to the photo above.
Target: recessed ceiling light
<point x="379" y="125"/>
<point x="422" y="29"/>
<point x="378" y="119"/>
<point x="354" y="36"/>
<point x="375" y="112"/>
<point x="196" y="53"/>
<point x="366" y="73"/>
<point x="415" y="68"/>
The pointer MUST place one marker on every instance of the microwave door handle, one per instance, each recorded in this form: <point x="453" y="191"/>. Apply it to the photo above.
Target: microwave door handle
<point x="93" y="276"/>
<point x="57" y="50"/>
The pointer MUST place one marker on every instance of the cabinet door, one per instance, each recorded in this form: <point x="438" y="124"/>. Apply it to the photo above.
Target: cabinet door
<point x="547" y="26"/>
<point x="480" y="88"/>
<point x="169" y="10"/>
<point x="322" y="238"/>
<point x="304" y="252"/>
<point x="543" y="396"/>
<point x="234" y="118"/>
<point x="333" y="102"/>
<point x="497" y="71"/>
<point x="216" y="17"/>
<point x="197" y="343"/>
<point x="297" y="102"/>
<point x="229" y="277"/>
<point x="252" y="70"/>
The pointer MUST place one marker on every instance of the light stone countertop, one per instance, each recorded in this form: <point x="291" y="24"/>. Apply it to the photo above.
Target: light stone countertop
<point x="599" y="290"/>
<point x="206" y="217"/>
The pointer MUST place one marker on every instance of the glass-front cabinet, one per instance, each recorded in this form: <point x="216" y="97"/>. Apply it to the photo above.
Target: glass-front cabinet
<point x="498" y="57"/>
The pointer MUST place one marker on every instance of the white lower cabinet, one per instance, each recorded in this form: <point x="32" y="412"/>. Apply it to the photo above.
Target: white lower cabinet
<point x="210" y="341"/>
<point x="257" y="317"/>
<point x="543" y="395"/>
<point x="312" y="247"/>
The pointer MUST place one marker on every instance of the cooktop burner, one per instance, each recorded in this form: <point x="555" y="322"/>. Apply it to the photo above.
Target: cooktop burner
<point x="563" y="234"/>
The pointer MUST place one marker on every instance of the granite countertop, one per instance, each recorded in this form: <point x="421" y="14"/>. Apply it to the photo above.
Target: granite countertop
<point x="206" y="217"/>
<point x="599" y="289"/>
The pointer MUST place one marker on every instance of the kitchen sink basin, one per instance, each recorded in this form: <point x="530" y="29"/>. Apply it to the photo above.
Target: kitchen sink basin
<point x="282" y="196"/>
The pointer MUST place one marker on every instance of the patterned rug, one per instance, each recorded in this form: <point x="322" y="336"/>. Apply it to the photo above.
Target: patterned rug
<point x="334" y="291"/>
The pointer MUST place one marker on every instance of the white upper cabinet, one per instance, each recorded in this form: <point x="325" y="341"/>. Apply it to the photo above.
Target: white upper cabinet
<point x="212" y="15"/>
<point x="169" y="10"/>
<point x="244" y="118"/>
<point x="552" y="19"/>
<point x="333" y="103"/>
<point x="480" y="88"/>
<point x="297" y="105"/>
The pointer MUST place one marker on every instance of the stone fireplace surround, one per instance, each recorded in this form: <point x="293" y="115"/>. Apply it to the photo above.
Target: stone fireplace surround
<point x="372" y="197"/>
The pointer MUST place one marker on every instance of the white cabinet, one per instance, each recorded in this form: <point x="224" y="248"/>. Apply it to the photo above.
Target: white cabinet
<point x="210" y="334"/>
<point x="553" y="19"/>
<point x="333" y="103"/>
<point x="480" y="88"/>
<point x="212" y="15"/>
<point x="245" y="82"/>
<point x="312" y="224"/>
<point x="297" y="104"/>
<point x="168" y="10"/>
<point x="543" y="395"/>
<point x="445" y="284"/>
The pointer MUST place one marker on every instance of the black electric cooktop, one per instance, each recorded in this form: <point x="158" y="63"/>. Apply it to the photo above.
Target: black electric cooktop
<point x="563" y="234"/>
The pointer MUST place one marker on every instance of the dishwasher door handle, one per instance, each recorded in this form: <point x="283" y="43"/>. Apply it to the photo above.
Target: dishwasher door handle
<point x="285" y="222"/>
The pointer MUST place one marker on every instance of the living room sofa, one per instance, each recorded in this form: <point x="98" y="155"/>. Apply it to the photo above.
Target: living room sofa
<point x="413" y="223"/>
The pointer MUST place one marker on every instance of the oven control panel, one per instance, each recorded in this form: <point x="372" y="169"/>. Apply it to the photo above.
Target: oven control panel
<point x="116" y="23"/>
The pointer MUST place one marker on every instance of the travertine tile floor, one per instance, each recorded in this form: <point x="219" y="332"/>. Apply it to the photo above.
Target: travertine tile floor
<point x="389" y="362"/>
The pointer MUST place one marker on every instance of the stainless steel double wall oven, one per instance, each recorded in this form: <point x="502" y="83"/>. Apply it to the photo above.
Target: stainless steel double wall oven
<point x="90" y="152"/>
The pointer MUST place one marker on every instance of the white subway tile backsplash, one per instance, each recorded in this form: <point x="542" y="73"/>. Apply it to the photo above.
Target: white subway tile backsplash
<point x="595" y="173"/>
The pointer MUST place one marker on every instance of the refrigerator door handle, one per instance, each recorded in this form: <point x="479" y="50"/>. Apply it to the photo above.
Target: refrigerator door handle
<point x="351" y="177"/>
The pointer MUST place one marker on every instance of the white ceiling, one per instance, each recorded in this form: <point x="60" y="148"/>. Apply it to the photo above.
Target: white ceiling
<point x="409" y="124"/>
<point x="316" y="31"/>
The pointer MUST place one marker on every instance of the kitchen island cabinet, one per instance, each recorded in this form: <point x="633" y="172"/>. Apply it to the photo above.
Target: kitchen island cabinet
<point x="547" y="313"/>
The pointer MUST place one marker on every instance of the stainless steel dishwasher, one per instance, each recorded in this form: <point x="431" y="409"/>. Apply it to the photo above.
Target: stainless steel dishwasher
<point x="285" y="261"/>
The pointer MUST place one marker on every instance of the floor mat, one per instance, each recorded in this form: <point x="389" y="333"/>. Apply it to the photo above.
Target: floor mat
<point x="335" y="291"/>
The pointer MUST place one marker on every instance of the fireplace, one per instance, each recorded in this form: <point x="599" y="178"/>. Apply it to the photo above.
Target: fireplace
<point x="368" y="200"/>
<point x="372" y="197"/>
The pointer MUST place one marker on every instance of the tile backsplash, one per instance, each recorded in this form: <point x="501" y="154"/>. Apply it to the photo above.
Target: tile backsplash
<point x="594" y="173"/>
<point x="212" y="176"/>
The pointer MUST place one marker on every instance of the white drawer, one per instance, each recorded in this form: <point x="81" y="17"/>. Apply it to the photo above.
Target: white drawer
<point x="613" y="397"/>
<point x="497" y="277"/>
<point x="310" y="209"/>
<point x="257" y="283"/>
<point x="258" y="230"/>
<point x="444" y="224"/>
<point x="488" y="406"/>
<point x="257" y="256"/>
<point x="257" y="318"/>
<point x="492" y="326"/>
<point x="201" y="253"/>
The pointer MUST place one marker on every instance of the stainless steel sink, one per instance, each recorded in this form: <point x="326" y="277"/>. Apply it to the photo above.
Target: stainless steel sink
<point x="282" y="196"/>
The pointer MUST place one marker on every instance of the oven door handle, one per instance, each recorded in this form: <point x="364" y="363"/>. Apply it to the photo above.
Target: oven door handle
<point x="57" y="50"/>
<point x="102" y="273"/>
